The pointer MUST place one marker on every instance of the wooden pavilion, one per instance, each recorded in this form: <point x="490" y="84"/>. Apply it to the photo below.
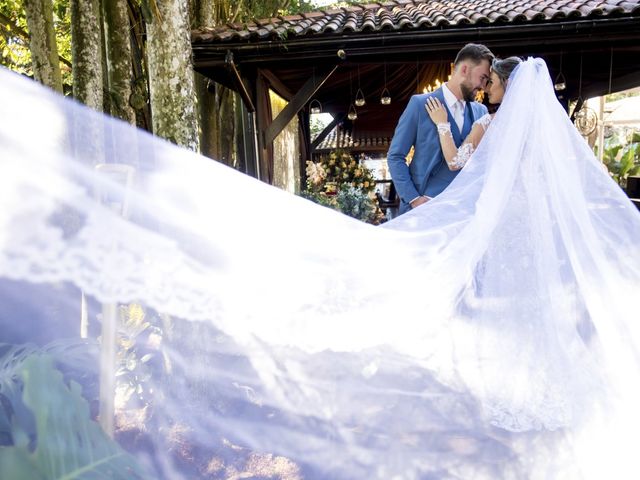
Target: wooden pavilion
<point x="593" y="47"/>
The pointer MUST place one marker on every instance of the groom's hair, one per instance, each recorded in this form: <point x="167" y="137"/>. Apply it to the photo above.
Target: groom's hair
<point x="474" y="52"/>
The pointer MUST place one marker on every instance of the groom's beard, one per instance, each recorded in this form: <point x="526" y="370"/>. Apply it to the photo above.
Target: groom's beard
<point x="468" y="93"/>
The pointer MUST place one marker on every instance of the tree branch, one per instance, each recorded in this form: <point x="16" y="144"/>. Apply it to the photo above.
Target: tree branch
<point x="24" y="36"/>
<point x="234" y="17"/>
<point x="284" y="5"/>
<point x="19" y="32"/>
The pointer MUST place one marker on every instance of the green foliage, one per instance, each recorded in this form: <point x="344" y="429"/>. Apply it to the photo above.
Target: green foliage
<point x="622" y="157"/>
<point x="76" y="358"/>
<point x="14" y="37"/>
<point x="139" y="353"/>
<point x="612" y="97"/>
<point x="62" y="25"/>
<point x="67" y="444"/>
<point x="316" y="126"/>
<point x="357" y="204"/>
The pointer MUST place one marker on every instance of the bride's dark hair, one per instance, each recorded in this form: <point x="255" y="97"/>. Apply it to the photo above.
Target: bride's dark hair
<point x="504" y="67"/>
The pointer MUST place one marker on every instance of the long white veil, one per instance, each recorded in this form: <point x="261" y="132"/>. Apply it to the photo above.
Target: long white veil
<point x="490" y="333"/>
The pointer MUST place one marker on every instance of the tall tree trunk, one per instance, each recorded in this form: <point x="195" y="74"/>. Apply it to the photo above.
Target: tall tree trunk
<point x="106" y="100"/>
<point x="44" y="50"/>
<point x="205" y="13"/>
<point x="207" y="91"/>
<point x="86" y="51"/>
<point x="119" y="59"/>
<point x="173" y="98"/>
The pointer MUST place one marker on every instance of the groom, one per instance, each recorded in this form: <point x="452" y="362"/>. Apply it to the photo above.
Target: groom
<point x="428" y="175"/>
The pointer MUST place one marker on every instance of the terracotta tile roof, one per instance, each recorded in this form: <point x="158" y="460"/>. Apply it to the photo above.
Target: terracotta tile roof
<point x="398" y="15"/>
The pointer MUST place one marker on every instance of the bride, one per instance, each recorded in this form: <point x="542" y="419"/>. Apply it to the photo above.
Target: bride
<point x="491" y="333"/>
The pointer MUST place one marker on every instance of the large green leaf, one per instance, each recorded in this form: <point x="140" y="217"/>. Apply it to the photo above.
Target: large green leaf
<point x="626" y="162"/>
<point x="610" y="153"/>
<point x="68" y="444"/>
<point x="76" y="357"/>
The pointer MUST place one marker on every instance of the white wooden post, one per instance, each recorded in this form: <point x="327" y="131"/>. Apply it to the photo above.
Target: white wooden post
<point x="123" y="175"/>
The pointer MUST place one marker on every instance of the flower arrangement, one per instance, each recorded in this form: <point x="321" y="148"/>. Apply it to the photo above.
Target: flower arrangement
<point x="338" y="181"/>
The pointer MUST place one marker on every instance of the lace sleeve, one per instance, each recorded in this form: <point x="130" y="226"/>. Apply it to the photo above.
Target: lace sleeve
<point x="484" y="121"/>
<point x="461" y="155"/>
<point x="457" y="158"/>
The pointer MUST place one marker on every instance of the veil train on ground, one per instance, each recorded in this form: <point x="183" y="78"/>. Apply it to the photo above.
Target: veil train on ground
<point x="490" y="333"/>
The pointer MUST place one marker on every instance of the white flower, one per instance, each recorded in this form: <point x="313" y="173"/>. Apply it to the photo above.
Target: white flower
<point x="315" y="173"/>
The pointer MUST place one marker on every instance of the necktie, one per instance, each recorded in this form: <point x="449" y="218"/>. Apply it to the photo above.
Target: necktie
<point x="458" y="114"/>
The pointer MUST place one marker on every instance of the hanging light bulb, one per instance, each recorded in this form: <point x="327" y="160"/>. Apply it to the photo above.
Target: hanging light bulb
<point x="352" y="115"/>
<point x="560" y="83"/>
<point x="315" y="106"/>
<point x="385" y="96"/>
<point x="360" y="101"/>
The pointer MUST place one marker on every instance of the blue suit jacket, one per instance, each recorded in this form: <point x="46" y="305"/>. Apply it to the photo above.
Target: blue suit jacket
<point x="428" y="173"/>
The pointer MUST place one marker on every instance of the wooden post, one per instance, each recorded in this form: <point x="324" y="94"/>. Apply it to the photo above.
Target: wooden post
<point x="123" y="175"/>
<point x="107" y="367"/>
<point x="601" y="130"/>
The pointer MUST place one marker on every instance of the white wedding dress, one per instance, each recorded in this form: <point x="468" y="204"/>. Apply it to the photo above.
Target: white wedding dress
<point x="489" y="334"/>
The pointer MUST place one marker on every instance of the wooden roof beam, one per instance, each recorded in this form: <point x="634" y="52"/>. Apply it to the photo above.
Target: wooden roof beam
<point x="308" y="90"/>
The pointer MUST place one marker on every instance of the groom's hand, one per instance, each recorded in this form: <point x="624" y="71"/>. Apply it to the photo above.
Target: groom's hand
<point x="416" y="202"/>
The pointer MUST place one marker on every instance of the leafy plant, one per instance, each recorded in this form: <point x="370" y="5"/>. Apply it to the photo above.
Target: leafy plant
<point x="77" y="359"/>
<point x="357" y="204"/>
<point x="622" y="158"/>
<point x="14" y="38"/>
<point x="67" y="444"/>
<point x="139" y="356"/>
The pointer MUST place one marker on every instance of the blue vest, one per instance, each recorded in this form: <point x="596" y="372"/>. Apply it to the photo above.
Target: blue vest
<point x="428" y="173"/>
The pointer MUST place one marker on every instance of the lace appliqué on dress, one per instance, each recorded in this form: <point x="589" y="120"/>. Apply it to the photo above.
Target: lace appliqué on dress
<point x="484" y="121"/>
<point x="463" y="155"/>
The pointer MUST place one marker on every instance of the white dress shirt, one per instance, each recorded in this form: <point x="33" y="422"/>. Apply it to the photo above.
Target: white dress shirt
<point x="455" y="106"/>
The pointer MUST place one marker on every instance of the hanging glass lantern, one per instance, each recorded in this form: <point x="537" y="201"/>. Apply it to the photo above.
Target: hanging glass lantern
<point x="353" y="114"/>
<point x="315" y="106"/>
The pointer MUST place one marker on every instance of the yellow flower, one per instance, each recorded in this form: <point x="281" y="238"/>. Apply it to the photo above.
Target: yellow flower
<point x="366" y="184"/>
